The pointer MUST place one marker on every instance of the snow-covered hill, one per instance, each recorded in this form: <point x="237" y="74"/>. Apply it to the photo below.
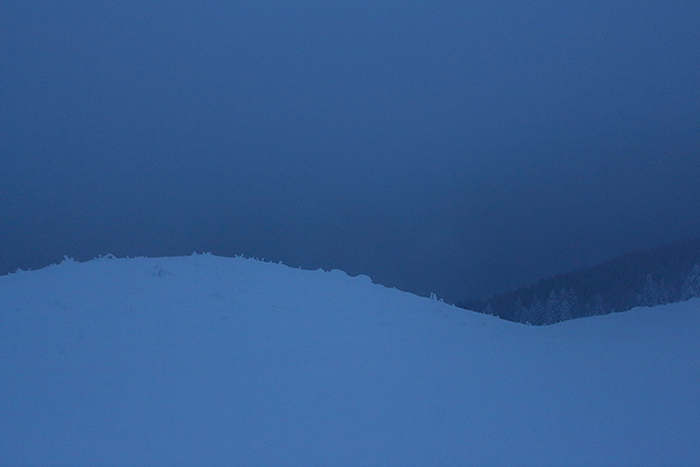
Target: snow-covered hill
<point x="204" y="360"/>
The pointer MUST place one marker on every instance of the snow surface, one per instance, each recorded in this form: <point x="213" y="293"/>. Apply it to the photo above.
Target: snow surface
<point x="204" y="360"/>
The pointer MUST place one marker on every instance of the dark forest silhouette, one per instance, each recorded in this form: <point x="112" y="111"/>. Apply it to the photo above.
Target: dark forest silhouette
<point x="655" y="277"/>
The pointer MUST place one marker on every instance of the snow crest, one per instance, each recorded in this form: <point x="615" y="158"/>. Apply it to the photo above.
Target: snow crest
<point x="233" y="361"/>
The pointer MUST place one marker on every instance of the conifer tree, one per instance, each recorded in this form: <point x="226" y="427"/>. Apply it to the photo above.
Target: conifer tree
<point x="691" y="285"/>
<point x="551" y="309"/>
<point x="567" y="304"/>
<point x="655" y="293"/>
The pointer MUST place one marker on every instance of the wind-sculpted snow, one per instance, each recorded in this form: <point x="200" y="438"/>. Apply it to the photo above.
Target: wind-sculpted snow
<point x="204" y="360"/>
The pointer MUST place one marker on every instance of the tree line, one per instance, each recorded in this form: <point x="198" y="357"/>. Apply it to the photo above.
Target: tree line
<point x="663" y="275"/>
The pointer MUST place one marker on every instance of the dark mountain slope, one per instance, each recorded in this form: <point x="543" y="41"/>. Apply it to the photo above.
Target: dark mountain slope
<point x="663" y="275"/>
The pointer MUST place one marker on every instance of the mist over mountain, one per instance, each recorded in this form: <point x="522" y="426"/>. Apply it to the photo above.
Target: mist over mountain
<point x="462" y="148"/>
<point x="446" y="149"/>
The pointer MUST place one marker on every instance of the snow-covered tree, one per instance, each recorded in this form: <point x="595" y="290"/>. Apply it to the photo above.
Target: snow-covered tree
<point x="567" y="304"/>
<point x="560" y="306"/>
<point x="691" y="285"/>
<point x="655" y="293"/>
<point x="530" y="314"/>
<point x="536" y="311"/>
<point x="598" y="308"/>
<point x="551" y="309"/>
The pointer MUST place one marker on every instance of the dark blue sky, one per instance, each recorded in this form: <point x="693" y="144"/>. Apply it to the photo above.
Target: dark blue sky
<point x="454" y="147"/>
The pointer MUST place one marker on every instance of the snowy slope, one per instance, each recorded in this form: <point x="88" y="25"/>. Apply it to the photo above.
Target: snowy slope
<point x="204" y="360"/>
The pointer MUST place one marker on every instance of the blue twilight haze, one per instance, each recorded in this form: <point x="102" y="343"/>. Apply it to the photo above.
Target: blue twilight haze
<point x="461" y="148"/>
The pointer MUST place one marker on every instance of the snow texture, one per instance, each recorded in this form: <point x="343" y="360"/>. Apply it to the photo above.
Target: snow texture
<point x="204" y="360"/>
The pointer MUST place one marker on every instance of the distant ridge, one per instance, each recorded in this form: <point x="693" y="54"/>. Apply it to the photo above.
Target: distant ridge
<point x="658" y="276"/>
